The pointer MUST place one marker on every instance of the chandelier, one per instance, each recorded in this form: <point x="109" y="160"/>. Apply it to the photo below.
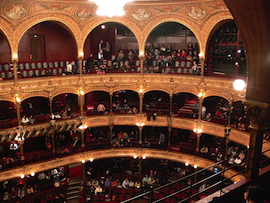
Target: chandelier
<point x="111" y="8"/>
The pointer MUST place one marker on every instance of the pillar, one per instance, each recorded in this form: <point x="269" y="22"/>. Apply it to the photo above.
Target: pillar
<point x="202" y="66"/>
<point x="227" y="145"/>
<point x="140" y="135"/>
<point x="25" y="186"/>
<point x="15" y="71"/>
<point x="141" y="64"/>
<point x="170" y="133"/>
<point x="82" y="139"/>
<point x="81" y="96"/>
<point x="111" y="102"/>
<point x="111" y="132"/>
<point x="198" y="142"/>
<point x="171" y="98"/>
<point x="259" y="118"/>
<point x="21" y="150"/>
<point x="141" y="102"/>
<point x="18" y="110"/>
<point x="80" y="66"/>
<point x="51" y="108"/>
<point x="83" y="172"/>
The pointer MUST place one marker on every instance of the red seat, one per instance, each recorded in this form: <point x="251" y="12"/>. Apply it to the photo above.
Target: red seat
<point x="82" y="199"/>
<point x="123" y="191"/>
<point x="130" y="191"/>
<point x="127" y="197"/>
<point x="121" y="198"/>
<point x="101" y="197"/>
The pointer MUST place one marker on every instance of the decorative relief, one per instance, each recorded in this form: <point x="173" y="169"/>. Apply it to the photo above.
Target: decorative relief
<point x="196" y="11"/>
<point x="52" y="7"/>
<point x="258" y="116"/>
<point x="84" y="12"/>
<point x="140" y="13"/>
<point x="16" y="10"/>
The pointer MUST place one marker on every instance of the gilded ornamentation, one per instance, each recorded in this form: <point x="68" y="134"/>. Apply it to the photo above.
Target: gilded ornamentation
<point x="16" y="10"/>
<point x="196" y="11"/>
<point x="84" y="12"/>
<point x="258" y="116"/>
<point x="140" y="13"/>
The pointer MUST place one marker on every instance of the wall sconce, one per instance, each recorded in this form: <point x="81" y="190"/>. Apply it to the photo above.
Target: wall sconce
<point x="18" y="100"/>
<point x="15" y="56"/>
<point x="143" y="157"/>
<point x="81" y="54"/>
<point x="201" y="55"/>
<point x="32" y="174"/>
<point x="200" y="94"/>
<point x="195" y="166"/>
<point x="135" y="156"/>
<point x="22" y="176"/>
<point x="91" y="159"/>
<point x="83" y="127"/>
<point x="195" y="130"/>
<point x="83" y="161"/>
<point x="140" y="124"/>
<point x="81" y="92"/>
<point x="141" y="90"/>
<point x="186" y="164"/>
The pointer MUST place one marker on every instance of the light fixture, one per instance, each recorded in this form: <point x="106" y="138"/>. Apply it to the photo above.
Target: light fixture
<point x="194" y="130"/>
<point x="201" y="54"/>
<point x="135" y="156"/>
<point x="22" y="176"/>
<point x="81" y="92"/>
<point x="199" y="131"/>
<point x="32" y="174"/>
<point x="91" y="159"/>
<point x="83" y="161"/>
<point x="195" y="166"/>
<point x="18" y="99"/>
<point x="102" y="27"/>
<point x="239" y="85"/>
<point x="143" y="157"/>
<point x="141" y="53"/>
<point x="141" y="90"/>
<point x="239" y="51"/>
<point x="200" y="94"/>
<point x="15" y="56"/>
<point x="81" y="54"/>
<point x="110" y="8"/>
<point x="186" y="164"/>
<point x="140" y="124"/>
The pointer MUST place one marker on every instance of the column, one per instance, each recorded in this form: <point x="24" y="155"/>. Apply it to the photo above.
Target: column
<point x="141" y="102"/>
<point x="141" y="64"/>
<point x="81" y="96"/>
<point x="140" y="135"/>
<point x="111" y="102"/>
<point x="80" y="66"/>
<point x="170" y="133"/>
<point x="21" y="150"/>
<point x="259" y="117"/>
<point x="51" y="108"/>
<point x="83" y="172"/>
<point x="198" y="142"/>
<point x="25" y="186"/>
<point x="82" y="139"/>
<point x="111" y="132"/>
<point x="18" y="110"/>
<point x="15" y="71"/>
<point x="171" y="98"/>
<point x="202" y="65"/>
<point x="53" y="143"/>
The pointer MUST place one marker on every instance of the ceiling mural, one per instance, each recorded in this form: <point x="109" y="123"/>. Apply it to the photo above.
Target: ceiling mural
<point x="84" y="12"/>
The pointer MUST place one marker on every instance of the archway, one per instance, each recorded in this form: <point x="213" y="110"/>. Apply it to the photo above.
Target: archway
<point x="93" y="99"/>
<point x="111" y="38"/>
<point x="8" y="115"/>
<point x="125" y="101"/>
<point x="156" y="102"/>
<point x="5" y="53"/>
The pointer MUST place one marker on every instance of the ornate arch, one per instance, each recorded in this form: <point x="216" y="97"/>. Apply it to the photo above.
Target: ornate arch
<point x="66" y="20"/>
<point x="34" y="94"/>
<point x="156" y="21"/>
<point x="63" y="91"/>
<point x="212" y="22"/>
<point x="8" y="30"/>
<point x="100" y="20"/>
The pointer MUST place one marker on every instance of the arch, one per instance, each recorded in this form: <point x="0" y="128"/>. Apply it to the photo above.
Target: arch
<point x="211" y="26"/>
<point x="34" y="94"/>
<point x="155" y="22"/>
<point x="62" y="19"/>
<point x="64" y="91"/>
<point x="98" y="21"/>
<point x="8" y="31"/>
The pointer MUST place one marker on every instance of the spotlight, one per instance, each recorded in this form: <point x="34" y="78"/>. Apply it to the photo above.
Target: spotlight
<point x="33" y="133"/>
<point x="57" y="128"/>
<point x="72" y="126"/>
<point x="65" y="127"/>
<point x="79" y="125"/>
<point x="7" y="137"/>
<point x="13" y="137"/>
<point x="47" y="130"/>
<point x="41" y="131"/>
<point x="26" y="134"/>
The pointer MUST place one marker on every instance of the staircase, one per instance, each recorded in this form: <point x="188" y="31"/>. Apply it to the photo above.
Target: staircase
<point x="73" y="191"/>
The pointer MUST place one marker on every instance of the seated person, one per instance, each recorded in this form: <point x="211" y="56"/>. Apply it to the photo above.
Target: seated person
<point x="204" y="150"/>
<point x="125" y="183"/>
<point x="101" y="108"/>
<point x="25" y="120"/>
<point x="31" y="119"/>
<point x="98" y="190"/>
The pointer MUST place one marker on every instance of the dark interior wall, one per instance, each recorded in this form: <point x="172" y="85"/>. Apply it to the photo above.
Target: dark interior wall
<point x="59" y="43"/>
<point x="4" y="50"/>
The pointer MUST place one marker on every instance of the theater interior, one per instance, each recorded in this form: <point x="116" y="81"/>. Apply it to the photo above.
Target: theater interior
<point x="171" y="95"/>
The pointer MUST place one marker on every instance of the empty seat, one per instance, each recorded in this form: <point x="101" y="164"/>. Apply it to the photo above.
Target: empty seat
<point x="56" y="64"/>
<point x="24" y="74"/>
<point x="3" y="75"/>
<point x="6" y="67"/>
<point x="39" y="65"/>
<point x="45" y="64"/>
<point x="154" y="62"/>
<point x="54" y="71"/>
<point x="37" y="72"/>
<point x="1" y="67"/>
<point x="10" y="74"/>
<point x="31" y="73"/>
<point x="137" y="63"/>
<point x="62" y="64"/>
<point x="33" y="65"/>
<point x="21" y="66"/>
<point x="50" y="64"/>
<point x="177" y="64"/>
<point x="183" y="64"/>
<point x="27" y="66"/>
<point x="126" y="63"/>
